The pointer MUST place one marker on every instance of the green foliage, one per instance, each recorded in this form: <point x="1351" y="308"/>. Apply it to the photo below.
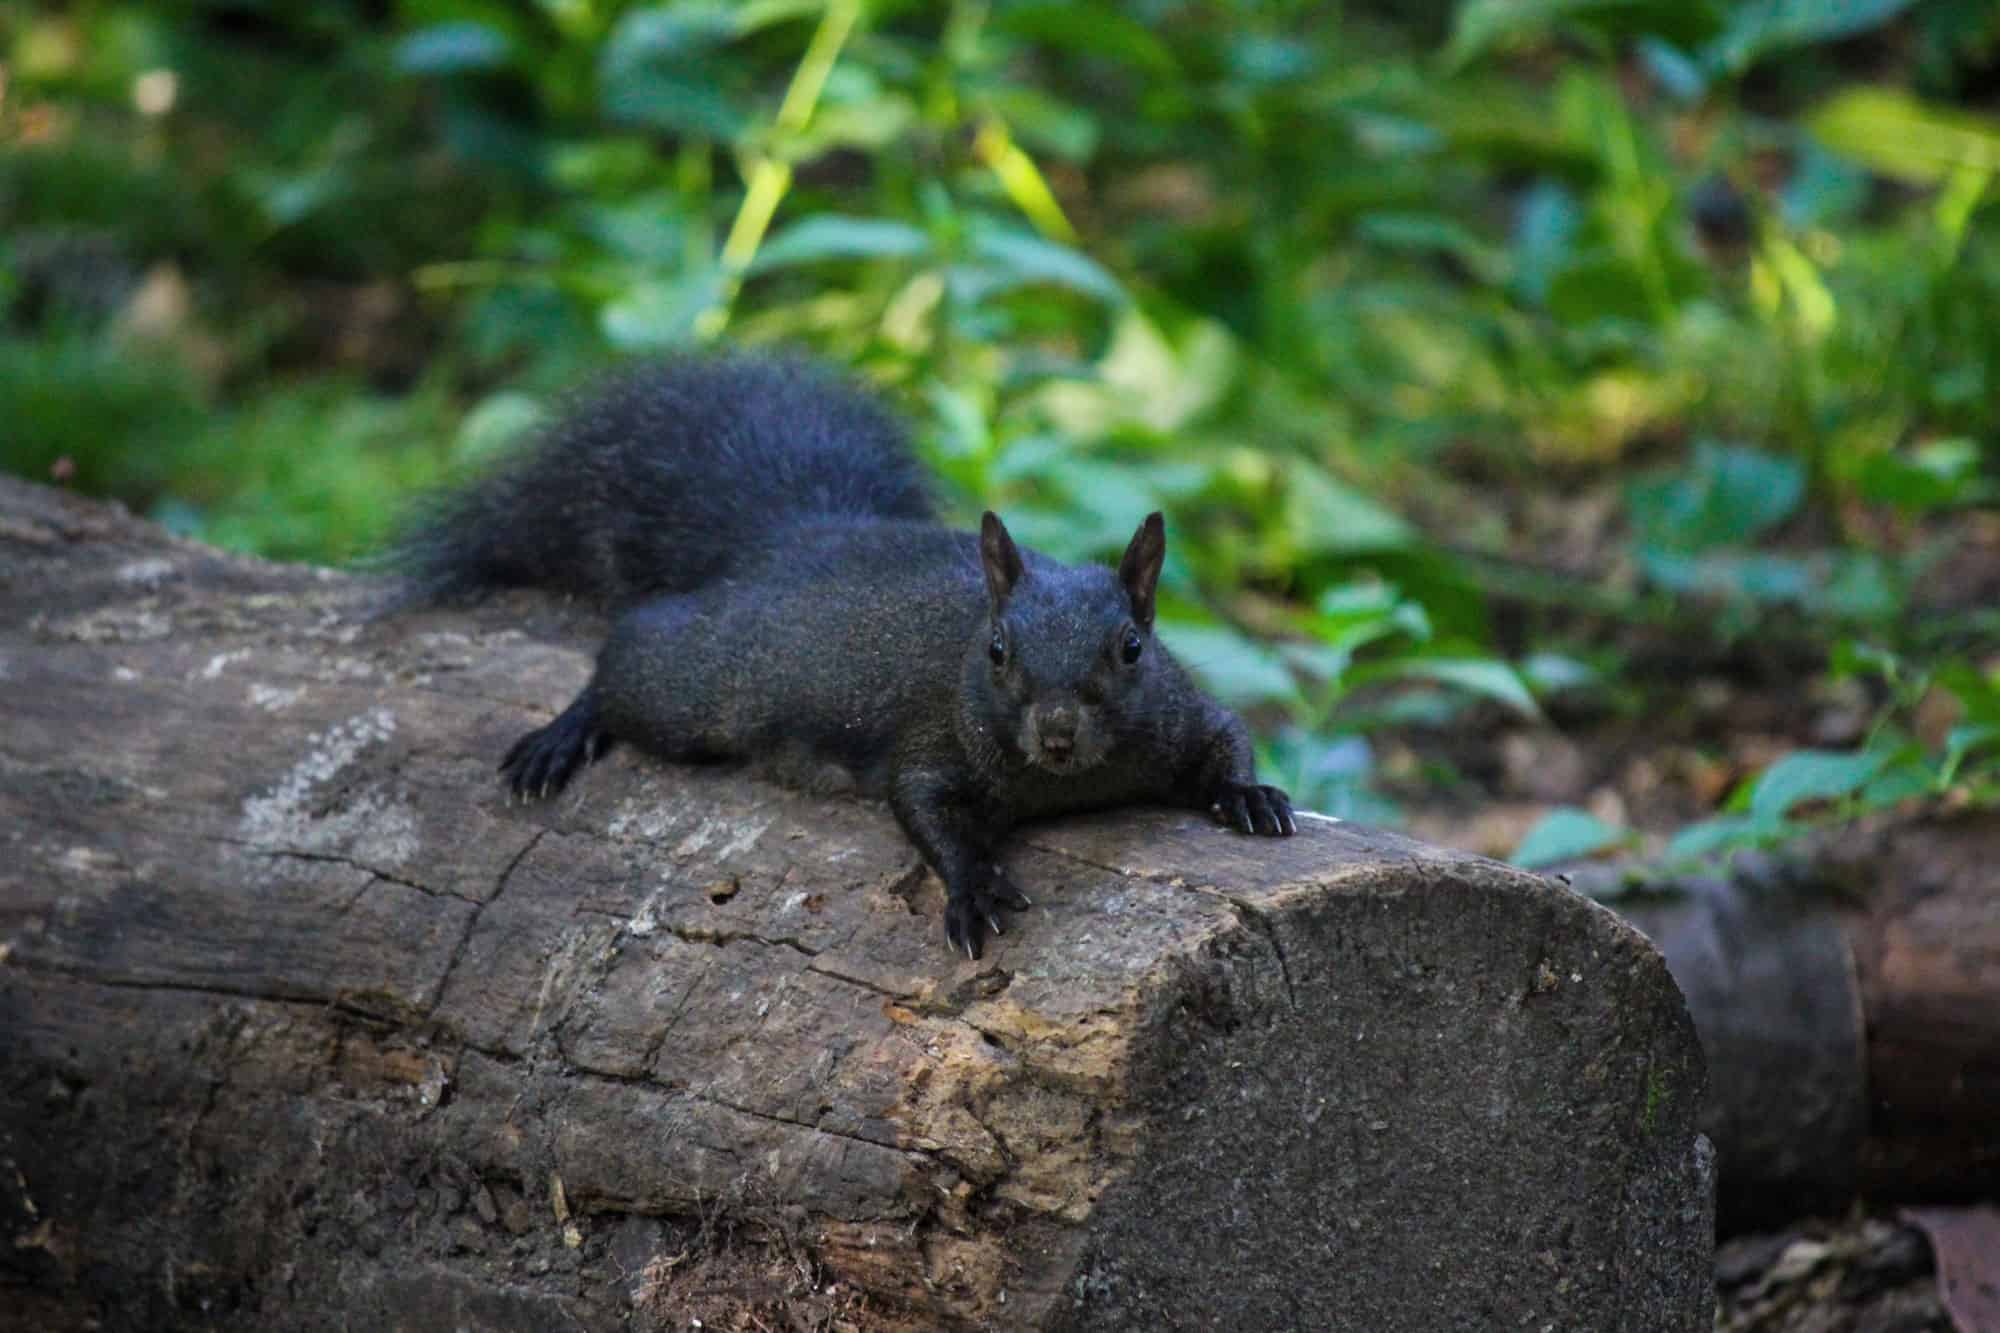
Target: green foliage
<point x="1900" y="136"/>
<point x="1332" y="289"/>
<point x="93" y="410"/>
<point x="1694" y="527"/>
<point x="1566" y="834"/>
<point x="1810" y="788"/>
<point x="245" y="483"/>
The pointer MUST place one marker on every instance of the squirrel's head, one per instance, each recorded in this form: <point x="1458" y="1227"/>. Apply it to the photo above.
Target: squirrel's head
<point x="1068" y="651"/>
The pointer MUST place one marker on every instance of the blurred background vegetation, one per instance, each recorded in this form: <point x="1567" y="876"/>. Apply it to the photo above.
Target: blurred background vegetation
<point x="1579" y="420"/>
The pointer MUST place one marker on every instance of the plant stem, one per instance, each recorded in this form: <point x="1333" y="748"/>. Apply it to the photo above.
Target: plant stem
<point x="770" y="173"/>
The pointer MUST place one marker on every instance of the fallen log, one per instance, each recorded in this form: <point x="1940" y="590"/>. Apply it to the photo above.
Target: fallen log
<point x="307" y="1026"/>
<point x="1926" y="945"/>
<point x="1848" y="999"/>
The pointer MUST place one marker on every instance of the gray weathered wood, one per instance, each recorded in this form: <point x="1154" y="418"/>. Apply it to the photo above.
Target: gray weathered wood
<point x="307" y="1026"/>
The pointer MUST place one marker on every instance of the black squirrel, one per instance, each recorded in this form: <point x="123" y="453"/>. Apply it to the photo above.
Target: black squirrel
<point x="785" y="592"/>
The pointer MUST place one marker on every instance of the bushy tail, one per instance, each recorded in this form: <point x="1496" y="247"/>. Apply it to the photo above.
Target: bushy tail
<point x="659" y="479"/>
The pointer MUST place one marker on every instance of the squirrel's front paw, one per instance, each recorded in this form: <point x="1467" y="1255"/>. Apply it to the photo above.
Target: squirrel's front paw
<point x="969" y="915"/>
<point x="543" y="761"/>
<point x="1252" y="807"/>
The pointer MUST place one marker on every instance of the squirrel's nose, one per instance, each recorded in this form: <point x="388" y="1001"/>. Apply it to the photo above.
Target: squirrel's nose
<point x="1055" y="731"/>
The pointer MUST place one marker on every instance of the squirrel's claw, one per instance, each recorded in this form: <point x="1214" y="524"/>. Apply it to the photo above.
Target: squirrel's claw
<point x="1004" y="891"/>
<point x="963" y="930"/>
<point x="972" y="913"/>
<point x="542" y="762"/>
<point x="1253" y="807"/>
<point x="1236" y="813"/>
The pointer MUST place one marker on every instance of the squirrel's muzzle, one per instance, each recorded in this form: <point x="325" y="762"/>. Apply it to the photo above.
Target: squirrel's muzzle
<point x="1058" y="737"/>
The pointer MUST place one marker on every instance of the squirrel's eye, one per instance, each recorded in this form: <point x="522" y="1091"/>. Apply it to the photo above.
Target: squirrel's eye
<point x="997" y="650"/>
<point x="1132" y="647"/>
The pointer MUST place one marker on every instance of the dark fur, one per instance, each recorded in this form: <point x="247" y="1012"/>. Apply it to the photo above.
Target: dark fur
<point x="791" y="597"/>
<point x="661" y="479"/>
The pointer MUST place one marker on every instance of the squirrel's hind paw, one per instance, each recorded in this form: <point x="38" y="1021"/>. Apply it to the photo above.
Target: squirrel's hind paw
<point x="543" y="761"/>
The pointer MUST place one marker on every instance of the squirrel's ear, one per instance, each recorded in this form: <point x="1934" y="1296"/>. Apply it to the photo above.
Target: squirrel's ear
<point x="999" y="558"/>
<point x="1139" y="571"/>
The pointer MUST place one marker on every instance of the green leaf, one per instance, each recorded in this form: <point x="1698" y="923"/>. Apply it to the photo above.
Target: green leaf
<point x="1811" y="775"/>
<point x="1327" y="517"/>
<point x="1161" y="380"/>
<point x="657" y="315"/>
<point x="1599" y="286"/>
<point x="1485" y="677"/>
<point x="1727" y="495"/>
<point x="1425" y="233"/>
<point x="1027" y="258"/>
<point x="868" y="126"/>
<point x="832" y="236"/>
<point x="1965" y="738"/>
<point x="1823" y="188"/>
<point x="1760" y="27"/>
<point x="1262" y="58"/>
<point x="1352" y="614"/>
<point x="656" y="70"/>
<point x="647" y="231"/>
<point x="452" y="48"/>
<point x="1349" y="618"/>
<point x="1175" y="480"/>
<point x="1766" y="578"/>
<point x="1104" y="31"/>
<point x="1421" y="231"/>
<point x="1026" y="457"/>
<point x="1861" y="585"/>
<point x="1552" y="673"/>
<point x="1046" y="124"/>
<point x="683" y="105"/>
<point x="680" y="32"/>
<point x="1860" y="660"/>
<point x="1745" y="491"/>
<point x="1910" y="776"/>
<point x="1544" y="238"/>
<point x="1053" y="532"/>
<point x="1483" y="24"/>
<point x="1324" y="663"/>
<point x="757" y="15"/>
<point x="1977" y="690"/>
<point x="1723" y="833"/>
<point x="1240" y="672"/>
<point x="1899" y="136"/>
<point x="964" y="430"/>
<point x="491" y="428"/>
<point x="1931" y="480"/>
<point x="1671" y="67"/>
<point x="1566" y="834"/>
<point x="1115" y="498"/>
<point x="1327" y="773"/>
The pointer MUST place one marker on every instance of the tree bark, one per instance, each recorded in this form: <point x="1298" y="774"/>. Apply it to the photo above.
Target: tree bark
<point x="1848" y="999"/>
<point x="1926" y="947"/>
<point x="308" y="1026"/>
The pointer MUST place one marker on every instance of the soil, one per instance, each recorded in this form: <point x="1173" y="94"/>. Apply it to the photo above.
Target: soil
<point x="1863" y="1274"/>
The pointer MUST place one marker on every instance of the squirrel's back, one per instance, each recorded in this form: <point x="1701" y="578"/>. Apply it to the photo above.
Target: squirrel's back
<point x="664" y="478"/>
